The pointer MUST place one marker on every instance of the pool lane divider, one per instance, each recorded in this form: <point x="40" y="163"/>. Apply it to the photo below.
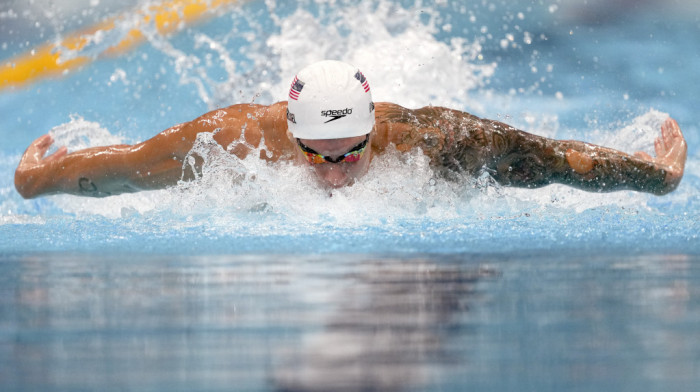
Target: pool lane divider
<point x="57" y="59"/>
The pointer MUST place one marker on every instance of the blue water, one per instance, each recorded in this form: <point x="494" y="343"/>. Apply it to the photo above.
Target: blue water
<point x="252" y="278"/>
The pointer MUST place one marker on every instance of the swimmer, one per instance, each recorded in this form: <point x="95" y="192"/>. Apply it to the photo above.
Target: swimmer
<point x="331" y="126"/>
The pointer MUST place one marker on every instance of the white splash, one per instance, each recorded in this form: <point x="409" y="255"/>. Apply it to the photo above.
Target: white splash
<point x="637" y="136"/>
<point x="398" y="53"/>
<point x="406" y="64"/>
<point x="79" y="134"/>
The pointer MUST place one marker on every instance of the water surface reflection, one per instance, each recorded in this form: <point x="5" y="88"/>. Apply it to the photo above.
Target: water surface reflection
<point x="72" y="322"/>
<point x="349" y="322"/>
<point x="390" y="328"/>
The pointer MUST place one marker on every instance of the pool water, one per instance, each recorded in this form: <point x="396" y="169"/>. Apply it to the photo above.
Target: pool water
<point x="253" y="278"/>
<point x="349" y="322"/>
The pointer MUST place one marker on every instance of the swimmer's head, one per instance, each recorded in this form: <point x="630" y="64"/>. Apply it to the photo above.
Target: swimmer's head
<point x="330" y="113"/>
<point x="330" y="100"/>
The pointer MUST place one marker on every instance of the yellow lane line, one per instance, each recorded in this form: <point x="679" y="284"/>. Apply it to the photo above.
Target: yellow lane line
<point x="45" y="61"/>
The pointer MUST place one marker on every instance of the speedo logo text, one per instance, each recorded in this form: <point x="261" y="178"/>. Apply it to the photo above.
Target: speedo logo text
<point x="336" y="114"/>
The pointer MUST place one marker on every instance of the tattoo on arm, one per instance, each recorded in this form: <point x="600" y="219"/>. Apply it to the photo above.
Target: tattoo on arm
<point x="88" y="188"/>
<point x="454" y="141"/>
<point x="522" y="159"/>
<point x="526" y="160"/>
<point x="460" y="142"/>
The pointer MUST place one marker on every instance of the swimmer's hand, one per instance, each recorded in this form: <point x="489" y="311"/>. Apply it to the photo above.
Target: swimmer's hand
<point x="671" y="153"/>
<point x="34" y="167"/>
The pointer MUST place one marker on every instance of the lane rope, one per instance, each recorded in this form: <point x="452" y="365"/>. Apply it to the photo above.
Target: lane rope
<point x="56" y="59"/>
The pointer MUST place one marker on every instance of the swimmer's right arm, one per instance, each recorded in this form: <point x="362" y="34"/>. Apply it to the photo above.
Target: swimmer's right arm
<point x="154" y="164"/>
<point x="101" y="171"/>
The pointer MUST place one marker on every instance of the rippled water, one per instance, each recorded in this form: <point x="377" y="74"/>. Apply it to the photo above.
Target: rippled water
<point x="349" y="322"/>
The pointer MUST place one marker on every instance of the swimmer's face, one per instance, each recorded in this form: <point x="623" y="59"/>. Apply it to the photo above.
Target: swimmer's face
<point x="352" y="154"/>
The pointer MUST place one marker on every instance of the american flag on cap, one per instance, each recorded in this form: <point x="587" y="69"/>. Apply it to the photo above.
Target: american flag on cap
<point x="365" y="85"/>
<point x="295" y="90"/>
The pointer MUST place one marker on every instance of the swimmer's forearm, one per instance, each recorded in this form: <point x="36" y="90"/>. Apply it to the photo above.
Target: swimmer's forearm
<point x="522" y="159"/>
<point x="602" y="169"/>
<point x="89" y="172"/>
<point x="98" y="172"/>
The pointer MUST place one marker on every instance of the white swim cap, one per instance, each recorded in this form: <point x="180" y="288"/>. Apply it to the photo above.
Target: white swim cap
<point x="330" y="100"/>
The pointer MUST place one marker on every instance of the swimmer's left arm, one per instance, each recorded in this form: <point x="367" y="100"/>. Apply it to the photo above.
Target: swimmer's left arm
<point x="520" y="159"/>
<point x="461" y="142"/>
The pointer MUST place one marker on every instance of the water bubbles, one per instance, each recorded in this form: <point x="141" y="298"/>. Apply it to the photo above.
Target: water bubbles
<point x="507" y="41"/>
<point x="553" y="8"/>
<point x="118" y="75"/>
<point x="9" y="14"/>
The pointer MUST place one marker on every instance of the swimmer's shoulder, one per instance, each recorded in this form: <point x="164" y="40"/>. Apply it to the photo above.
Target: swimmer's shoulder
<point x="253" y="119"/>
<point x="392" y="123"/>
<point x="241" y="125"/>
<point x="405" y="128"/>
<point x="441" y="133"/>
<point x="272" y="121"/>
<point x="268" y="124"/>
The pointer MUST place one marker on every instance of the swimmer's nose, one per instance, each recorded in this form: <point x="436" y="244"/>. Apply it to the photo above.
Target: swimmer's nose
<point x="333" y="175"/>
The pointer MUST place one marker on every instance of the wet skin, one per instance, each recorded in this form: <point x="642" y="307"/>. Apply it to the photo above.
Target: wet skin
<point x="454" y="141"/>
